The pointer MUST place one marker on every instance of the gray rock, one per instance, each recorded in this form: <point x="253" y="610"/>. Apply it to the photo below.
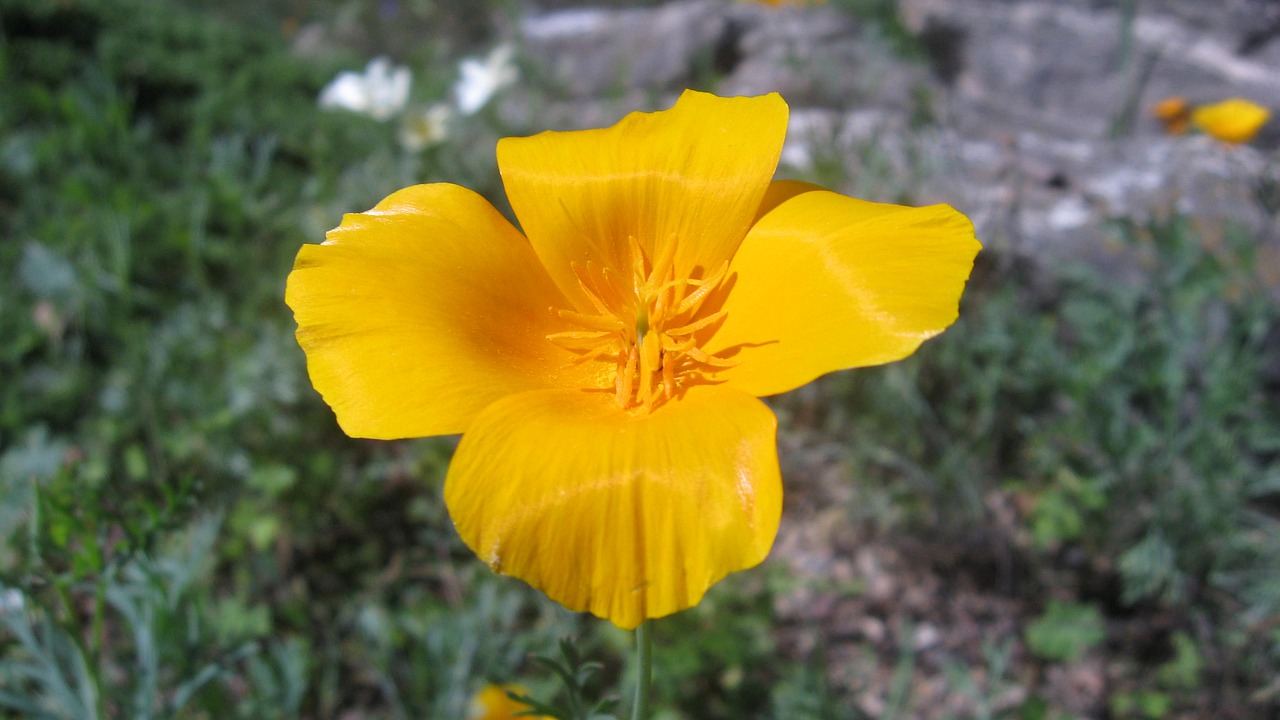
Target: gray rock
<point x="1049" y="197"/>
<point x="589" y="52"/>
<point x="1085" y="69"/>
<point x="812" y="55"/>
<point x="819" y="56"/>
<point x="1042" y="134"/>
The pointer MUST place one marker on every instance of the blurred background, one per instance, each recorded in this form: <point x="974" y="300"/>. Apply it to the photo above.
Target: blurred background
<point x="1067" y="506"/>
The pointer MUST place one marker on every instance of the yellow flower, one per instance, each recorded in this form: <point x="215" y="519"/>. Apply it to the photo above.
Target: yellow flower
<point x="492" y="703"/>
<point x="1235" y="121"/>
<point x="604" y="365"/>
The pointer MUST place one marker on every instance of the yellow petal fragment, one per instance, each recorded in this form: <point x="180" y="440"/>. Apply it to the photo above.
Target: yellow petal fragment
<point x="688" y="179"/>
<point x="1235" y="121"/>
<point x="627" y="515"/>
<point x="493" y="703"/>
<point x="420" y="312"/>
<point x="826" y="282"/>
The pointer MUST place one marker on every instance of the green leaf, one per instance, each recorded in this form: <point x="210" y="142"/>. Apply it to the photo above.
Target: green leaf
<point x="1066" y="631"/>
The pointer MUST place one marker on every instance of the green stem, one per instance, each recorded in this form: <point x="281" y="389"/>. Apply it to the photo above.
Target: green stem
<point x="644" y="667"/>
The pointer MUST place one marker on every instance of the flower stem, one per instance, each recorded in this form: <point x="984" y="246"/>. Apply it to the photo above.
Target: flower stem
<point x="644" y="666"/>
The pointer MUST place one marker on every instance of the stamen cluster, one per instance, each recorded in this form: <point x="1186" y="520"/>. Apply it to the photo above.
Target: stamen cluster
<point x="650" y="326"/>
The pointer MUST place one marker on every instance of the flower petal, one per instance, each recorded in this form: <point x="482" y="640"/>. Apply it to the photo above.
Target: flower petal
<point x="1234" y="121"/>
<point x="826" y="282"/>
<point x="626" y="515"/>
<point x="419" y="313"/>
<point x="687" y="180"/>
<point x="493" y="703"/>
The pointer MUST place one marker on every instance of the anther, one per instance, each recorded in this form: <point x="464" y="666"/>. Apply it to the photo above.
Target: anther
<point x="697" y="325"/>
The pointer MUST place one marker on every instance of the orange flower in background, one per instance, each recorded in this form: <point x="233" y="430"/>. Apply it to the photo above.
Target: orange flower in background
<point x="604" y="365"/>
<point x="493" y="703"/>
<point x="1235" y="121"/>
<point x="1174" y="113"/>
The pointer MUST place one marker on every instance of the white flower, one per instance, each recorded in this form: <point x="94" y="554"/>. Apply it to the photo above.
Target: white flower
<point x="380" y="92"/>
<point x="11" y="601"/>
<point x="482" y="78"/>
<point x="427" y="127"/>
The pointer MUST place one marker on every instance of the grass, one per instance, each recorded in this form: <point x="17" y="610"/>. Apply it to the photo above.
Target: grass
<point x="187" y="533"/>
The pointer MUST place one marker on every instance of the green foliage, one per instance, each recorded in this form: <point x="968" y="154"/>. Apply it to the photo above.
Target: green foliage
<point x="1176" y="682"/>
<point x="1066" y="631"/>
<point x="984" y="698"/>
<point x="1060" y="510"/>
<point x="1137" y="419"/>
<point x="1148" y="704"/>
<point x="802" y="692"/>
<point x="1184" y="670"/>
<point x="159" y="637"/>
<point x="576" y="677"/>
<point x="715" y="657"/>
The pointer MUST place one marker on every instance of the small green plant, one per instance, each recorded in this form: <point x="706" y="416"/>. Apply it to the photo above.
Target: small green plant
<point x="576" y="677"/>
<point x="1185" y="669"/>
<point x="1066" y="631"/>
<point x="1062" y="511"/>
<point x="1145" y="704"/>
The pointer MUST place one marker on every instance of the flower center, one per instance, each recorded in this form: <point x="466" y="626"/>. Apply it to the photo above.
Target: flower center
<point x="649" y="326"/>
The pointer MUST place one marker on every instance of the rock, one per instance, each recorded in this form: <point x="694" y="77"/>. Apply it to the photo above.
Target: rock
<point x="1041" y="136"/>
<point x="819" y="56"/>
<point x="1038" y="194"/>
<point x="812" y="55"/>
<point x="589" y="52"/>
<point x="1089" y="70"/>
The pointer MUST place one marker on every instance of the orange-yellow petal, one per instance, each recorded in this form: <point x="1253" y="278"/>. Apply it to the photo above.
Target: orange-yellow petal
<point x="685" y="181"/>
<point x="417" y="314"/>
<point x="826" y="282"/>
<point x="627" y="515"/>
<point x="493" y="703"/>
<point x="1235" y="121"/>
<point x="1174" y="113"/>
